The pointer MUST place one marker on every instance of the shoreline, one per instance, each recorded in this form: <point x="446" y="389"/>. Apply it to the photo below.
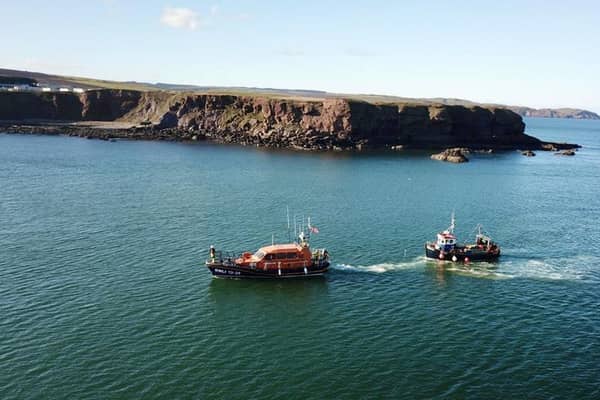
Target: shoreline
<point x="110" y="131"/>
<point x="315" y="125"/>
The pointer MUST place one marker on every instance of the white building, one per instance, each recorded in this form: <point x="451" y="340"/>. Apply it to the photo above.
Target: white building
<point x="22" y="88"/>
<point x="78" y="90"/>
<point x="64" y="89"/>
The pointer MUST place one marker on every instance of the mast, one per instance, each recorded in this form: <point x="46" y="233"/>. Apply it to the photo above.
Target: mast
<point x="288" y="222"/>
<point x="452" y="223"/>
<point x="295" y="228"/>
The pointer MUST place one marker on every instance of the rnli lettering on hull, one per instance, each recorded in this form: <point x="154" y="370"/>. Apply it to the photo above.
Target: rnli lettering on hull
<point x="226" y="272"/>
<point x="240" y="273"/>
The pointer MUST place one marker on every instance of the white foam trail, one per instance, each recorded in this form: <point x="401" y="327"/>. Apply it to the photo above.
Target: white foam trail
<point x="478" y="270"/>
<point x="382" y="267"/>
<point x="576" y="268"/>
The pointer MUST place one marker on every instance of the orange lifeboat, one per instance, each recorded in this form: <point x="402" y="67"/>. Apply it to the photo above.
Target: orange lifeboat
<point x="288" y="260"/>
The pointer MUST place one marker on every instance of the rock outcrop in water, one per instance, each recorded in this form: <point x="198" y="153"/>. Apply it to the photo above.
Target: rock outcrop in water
<point x="567" y="152"/>
<point x="332" y="123"/>
<point x="456" y="155"/>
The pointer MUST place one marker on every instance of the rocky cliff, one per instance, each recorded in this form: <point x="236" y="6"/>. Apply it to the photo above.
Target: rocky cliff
<point x="279" y="122"/>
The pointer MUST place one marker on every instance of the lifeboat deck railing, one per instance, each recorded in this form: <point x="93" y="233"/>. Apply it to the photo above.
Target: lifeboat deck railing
<point x="319" y="258"/>
<point x="223" y="257"/>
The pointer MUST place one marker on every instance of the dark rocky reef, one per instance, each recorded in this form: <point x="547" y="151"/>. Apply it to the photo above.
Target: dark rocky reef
<point x="456" y="155"/>
<point x="567" y="152"/>
<point x="319" y="124"/>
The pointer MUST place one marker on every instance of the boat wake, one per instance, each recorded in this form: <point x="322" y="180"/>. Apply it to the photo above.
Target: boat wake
<point x="577" y="268"/>
<point x="382" y="267"/>
<point x="477" y="270"/>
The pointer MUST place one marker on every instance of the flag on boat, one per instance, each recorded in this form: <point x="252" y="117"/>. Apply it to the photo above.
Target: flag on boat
<point x="311" y="228"/>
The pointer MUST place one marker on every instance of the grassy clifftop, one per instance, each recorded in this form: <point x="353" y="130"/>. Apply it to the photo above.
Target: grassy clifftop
<point x="299" y="94"/>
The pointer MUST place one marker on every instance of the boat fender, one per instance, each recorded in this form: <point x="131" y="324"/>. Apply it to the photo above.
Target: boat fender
<point x="467" y="259"/>
<point x="454" y="258"/>
<point x="305" y="271"/>
<point x="441" y="256"/>
<point x="279" y="272"/>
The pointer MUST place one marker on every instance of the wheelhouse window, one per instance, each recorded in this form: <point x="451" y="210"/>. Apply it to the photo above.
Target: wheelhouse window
<point x="259" y="254"/>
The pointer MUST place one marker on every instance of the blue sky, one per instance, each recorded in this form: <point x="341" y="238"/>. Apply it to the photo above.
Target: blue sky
<point x="534" y="53"/>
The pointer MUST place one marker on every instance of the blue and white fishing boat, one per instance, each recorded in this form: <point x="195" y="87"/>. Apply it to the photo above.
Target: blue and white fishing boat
<point x="447" y="248"/>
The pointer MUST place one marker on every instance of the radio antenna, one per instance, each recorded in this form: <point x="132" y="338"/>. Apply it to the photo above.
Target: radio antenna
<point x="288" y="222"/>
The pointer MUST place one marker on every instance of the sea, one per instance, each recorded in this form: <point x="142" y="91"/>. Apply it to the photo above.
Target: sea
<point x="104" y="293"/>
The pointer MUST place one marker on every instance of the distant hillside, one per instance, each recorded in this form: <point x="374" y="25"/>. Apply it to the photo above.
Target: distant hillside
<point x="17" y="80"/>
<point x="89" y="83"/>
<point x="84" y="83"/>
<point x="573" y="113"/>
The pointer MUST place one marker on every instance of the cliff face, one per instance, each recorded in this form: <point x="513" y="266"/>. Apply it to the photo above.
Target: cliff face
<point x="99" y="105"/>
<point x="440" y="125"/>
<point x="55" y="106"/>
<point x="311" y="123"/>
<point x="331" y="122"/>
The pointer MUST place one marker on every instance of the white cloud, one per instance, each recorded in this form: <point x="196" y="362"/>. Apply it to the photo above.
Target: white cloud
<point x="180" y="18"/>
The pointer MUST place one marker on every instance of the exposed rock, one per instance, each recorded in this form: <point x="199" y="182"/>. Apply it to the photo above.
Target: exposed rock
<point x="528" y="153"/>
<point x="455" y="155"/>
<point x="168" y="120"/>
<point x="108" y="105"/>
<point x="568" y="152"/>
<point x="321" y="124"/>
<point x="549" y="147"/>
<point x="557" y="146"/>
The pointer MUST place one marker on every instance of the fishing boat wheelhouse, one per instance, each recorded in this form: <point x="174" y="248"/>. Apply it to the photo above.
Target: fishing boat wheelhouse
<point x="446" y="247"/>
<point x="275" y="261"/>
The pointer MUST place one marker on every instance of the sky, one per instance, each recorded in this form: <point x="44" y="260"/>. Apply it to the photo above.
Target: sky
<point x="532" y="53"/>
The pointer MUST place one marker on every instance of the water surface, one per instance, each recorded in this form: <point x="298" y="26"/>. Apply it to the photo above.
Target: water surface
<point x="104" y="295"/>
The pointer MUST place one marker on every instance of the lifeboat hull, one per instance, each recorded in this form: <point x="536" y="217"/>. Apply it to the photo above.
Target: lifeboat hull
<point x="461" y="253"/>
<point x="220" y="270"/>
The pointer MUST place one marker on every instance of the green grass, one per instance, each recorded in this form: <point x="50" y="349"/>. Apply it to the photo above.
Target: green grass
<point x="102" y="84"/>
<point x="238" y="117"/>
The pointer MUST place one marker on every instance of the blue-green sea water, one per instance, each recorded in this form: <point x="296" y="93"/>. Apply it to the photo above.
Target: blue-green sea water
<point x="103" y="292"/>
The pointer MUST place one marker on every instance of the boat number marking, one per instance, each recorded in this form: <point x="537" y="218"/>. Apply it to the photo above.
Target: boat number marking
<point x="227" y="272"/>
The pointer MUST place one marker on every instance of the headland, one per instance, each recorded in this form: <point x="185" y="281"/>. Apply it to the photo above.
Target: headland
<point x="305" y="123"/>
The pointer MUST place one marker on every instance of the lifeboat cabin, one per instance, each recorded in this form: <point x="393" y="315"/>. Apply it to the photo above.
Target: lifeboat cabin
<point x="275" y="261"/>
<point x="446" y="248"/>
